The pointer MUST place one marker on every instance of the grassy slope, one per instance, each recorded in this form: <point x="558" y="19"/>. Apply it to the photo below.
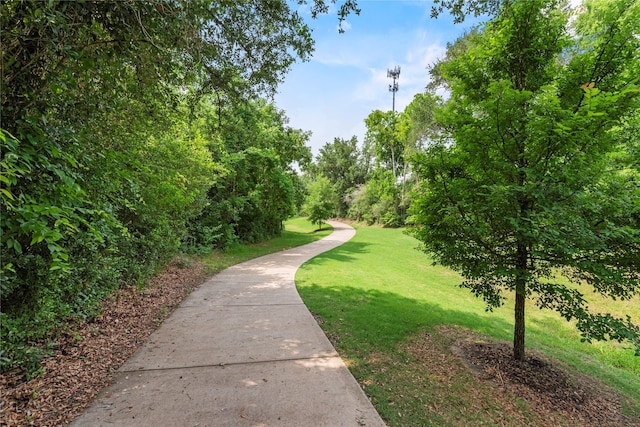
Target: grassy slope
<point x="376" y="292"/>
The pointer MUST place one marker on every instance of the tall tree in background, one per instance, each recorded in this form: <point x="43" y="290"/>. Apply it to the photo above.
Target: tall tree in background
<point x="386" y="138"/>
<point x="422" y="125"/>
<point x="343" y="164"/>
<point x="253" y="191"/>
<point x="523" y="185"/>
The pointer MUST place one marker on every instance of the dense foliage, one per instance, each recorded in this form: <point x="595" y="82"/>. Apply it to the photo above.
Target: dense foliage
<point x="321" y="201"/>
<point x="345" y="166"/>
<point x="532" y="184"/>
<point x="130" y="129"/>
<point x="255" y="187"/>
<point x="374" y="182"/>
<point x="377" y="201"/>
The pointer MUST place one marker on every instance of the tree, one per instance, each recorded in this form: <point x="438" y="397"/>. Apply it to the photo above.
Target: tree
<point x="87" y="84"/>
<point x="460" y="9"/>
<point x="258" y="123"/>
<point x="102" y="161"/>
<point x="455" y="49"/>
<point x="377" y="201"/>
<point x="521" y="187"/>
<point x="341" y="162"/>
<point x="321" y="201"/>
<point x="386" y="135"/>
<point x="253" y="190"/>
<point x="421" y="120"/>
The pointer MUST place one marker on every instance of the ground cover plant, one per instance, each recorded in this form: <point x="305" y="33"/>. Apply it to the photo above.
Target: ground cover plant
<point x="87" y="354"/>
<point x="427" y="353"/>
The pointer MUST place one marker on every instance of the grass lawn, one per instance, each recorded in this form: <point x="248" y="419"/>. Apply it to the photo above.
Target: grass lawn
<point x="380" y="301"/>
<point x="297" y="232"/>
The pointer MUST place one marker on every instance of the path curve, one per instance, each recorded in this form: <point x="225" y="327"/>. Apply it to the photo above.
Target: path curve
<point x="241" y="350"/>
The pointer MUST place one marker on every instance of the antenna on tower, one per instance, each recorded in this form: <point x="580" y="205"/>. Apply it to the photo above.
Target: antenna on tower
<point x="395" y="75"/>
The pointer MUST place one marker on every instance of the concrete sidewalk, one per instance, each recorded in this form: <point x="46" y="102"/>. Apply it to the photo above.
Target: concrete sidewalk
<point x="241" y="350"/>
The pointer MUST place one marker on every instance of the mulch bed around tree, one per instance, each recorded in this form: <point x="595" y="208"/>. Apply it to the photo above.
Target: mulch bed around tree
<point x="86" y="358"/>
<point x="545" y="385"/>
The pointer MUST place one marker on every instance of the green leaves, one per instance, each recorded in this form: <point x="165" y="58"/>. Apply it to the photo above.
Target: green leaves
<point x="253" y="189"/>
<point x="344" y="165"/>
<point x="35" y="219"/>
<point x="522" y="184"/>
<point x="321" y="201"/>
<point x="111" y="145"/>
<point x="386" y="134"/>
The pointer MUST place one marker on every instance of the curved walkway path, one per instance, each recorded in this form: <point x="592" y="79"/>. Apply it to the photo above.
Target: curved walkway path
<point x="241" y="350"/>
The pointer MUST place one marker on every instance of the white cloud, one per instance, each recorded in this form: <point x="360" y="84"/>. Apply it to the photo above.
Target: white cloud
<point x="413" y="75"/>
<point x="347" y="77"/>
<point x="346" y="26"/>
<point x="370" y="89"/>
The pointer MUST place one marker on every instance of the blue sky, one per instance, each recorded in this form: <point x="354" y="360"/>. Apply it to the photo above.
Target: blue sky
<point x="346" y="79"/>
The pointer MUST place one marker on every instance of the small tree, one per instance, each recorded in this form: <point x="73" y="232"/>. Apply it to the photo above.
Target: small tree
<point x="526" y="182"/>
<point x="321" y="201"/>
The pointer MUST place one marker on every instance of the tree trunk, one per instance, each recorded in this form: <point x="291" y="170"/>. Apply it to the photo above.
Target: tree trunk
<point x="518" y="330"/>
<point x="521" y="296"/>
<point x="393" y="164"/>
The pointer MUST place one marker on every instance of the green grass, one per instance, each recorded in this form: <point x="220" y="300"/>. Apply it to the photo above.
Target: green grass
<point x="297" y="232"/>
<point x="376" y="293"/>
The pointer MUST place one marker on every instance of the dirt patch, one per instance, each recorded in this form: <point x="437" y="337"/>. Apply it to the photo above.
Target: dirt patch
<point x="550" y="389"/>
<point x="86" y="357"/>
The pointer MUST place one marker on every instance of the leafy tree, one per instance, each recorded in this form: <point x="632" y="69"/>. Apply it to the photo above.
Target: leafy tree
<point x="253" y="190"/>
<point x="342" y="163"/>
<point x="460" y="9"/>
<point x="422" y="128"/>
<point x="421" y="120"/>
<point x="257" y="123"/>
<point x="455" y="49"/>
<point x="177" y="42"/>
<point x="102" y="161"/>
<point x="321" y="201"/>
<point x="386" y="135"/>
<point x="522" y="186"/>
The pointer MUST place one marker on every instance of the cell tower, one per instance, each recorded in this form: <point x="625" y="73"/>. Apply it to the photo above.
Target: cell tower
<point x="395" y="75"/>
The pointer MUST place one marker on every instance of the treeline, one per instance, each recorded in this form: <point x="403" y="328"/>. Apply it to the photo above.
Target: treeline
<point x="373" y="181"/>
<point x="131" y="131"/>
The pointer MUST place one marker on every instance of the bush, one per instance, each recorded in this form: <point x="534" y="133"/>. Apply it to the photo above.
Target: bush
<point x="377" y="201"/>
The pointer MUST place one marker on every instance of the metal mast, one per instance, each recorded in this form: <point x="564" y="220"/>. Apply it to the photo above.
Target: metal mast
<point x="394" y="74"/>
